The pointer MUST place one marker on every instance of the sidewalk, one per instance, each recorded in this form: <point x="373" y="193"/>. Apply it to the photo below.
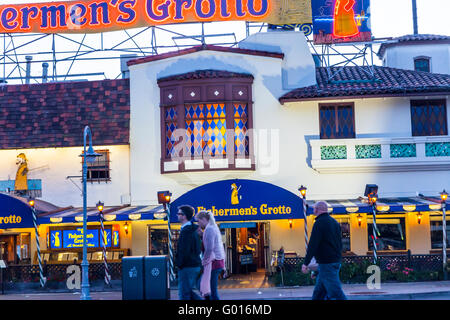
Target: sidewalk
<point x="388" y="291"/>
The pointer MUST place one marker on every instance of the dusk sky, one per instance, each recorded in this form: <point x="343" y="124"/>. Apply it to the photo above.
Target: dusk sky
<point x="389" y="18"/>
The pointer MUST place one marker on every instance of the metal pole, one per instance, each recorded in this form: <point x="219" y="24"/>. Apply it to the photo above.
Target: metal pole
<point x="42" y="280"/>
<point x="85" y="295"/>
<point x="169" y="231"/>
<point x="444" y="240"/>
<point x="374" y="235"/>
<point x="305" y="209"/>
<point x="414" y="12"/>
<point x="105" y="262"/>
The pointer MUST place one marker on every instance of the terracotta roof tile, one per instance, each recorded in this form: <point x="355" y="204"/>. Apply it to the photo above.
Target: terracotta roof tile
<point x="55" y="114"/>
<point x="355" y="81"/>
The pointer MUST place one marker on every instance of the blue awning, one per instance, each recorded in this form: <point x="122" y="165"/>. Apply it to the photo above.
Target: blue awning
<point x="128" y="213"/>
<point x="384" y="205"/>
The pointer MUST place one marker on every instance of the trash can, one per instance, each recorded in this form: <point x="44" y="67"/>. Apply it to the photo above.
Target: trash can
<point x="157" y="285"/>
<point x="133" y="278"/>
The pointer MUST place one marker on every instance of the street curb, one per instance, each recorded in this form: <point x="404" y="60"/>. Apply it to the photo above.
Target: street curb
<point x="390" y="296"/>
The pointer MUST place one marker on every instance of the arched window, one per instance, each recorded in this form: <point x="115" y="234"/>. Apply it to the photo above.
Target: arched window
<point x="422" y="64"/>
<point x="214" y="109"/>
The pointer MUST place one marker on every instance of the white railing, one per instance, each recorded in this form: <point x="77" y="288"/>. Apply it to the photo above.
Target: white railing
<point x="381" y="154"/>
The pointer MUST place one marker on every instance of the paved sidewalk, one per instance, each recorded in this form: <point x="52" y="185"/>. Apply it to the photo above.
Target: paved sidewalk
<point x="403" y="291"/>
<point x="353" y="291"/>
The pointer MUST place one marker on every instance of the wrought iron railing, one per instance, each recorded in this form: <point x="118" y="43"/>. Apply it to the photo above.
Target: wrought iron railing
<point x="424" y="262"/>
<point x="58" y="272"/>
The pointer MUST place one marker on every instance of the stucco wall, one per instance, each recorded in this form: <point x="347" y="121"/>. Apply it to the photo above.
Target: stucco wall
<point x="402" y="56"/>
<point x="53" y="165"/>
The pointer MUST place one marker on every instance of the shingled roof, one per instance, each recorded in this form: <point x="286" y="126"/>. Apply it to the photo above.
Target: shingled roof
<point x="55" y="114"/>
<point x="355" y="82"/>
<point x="412" y="38"/>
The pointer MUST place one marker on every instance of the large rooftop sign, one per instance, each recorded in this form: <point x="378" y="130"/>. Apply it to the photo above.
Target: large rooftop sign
<point x="336" y="21"/>
<point x="89" y="16"/>
<point x="241" y="200"/>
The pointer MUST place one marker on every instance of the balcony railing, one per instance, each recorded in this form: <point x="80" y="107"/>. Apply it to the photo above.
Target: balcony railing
<point x="381" y="154"/>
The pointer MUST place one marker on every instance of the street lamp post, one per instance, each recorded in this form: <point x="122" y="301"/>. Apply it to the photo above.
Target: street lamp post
<point x="302" y="190"/>
<point x="88" y="157"/>
<point x="371" y="193"/>
<point x="444" y="196"/>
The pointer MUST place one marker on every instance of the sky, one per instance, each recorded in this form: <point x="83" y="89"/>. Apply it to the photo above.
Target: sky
<point x="389" y="18"/>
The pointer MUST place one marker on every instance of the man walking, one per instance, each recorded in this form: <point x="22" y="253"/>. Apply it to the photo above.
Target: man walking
<point x="187" y="257"/>
<point x="326" y="246"/>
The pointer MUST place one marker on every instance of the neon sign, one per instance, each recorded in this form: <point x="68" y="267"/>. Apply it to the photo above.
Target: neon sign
<point x="73" y="238"/>
<point x="336" y="21"/>
<point x="107" y="15"/>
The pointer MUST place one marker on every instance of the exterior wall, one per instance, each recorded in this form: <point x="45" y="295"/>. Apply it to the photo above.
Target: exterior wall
<point x="402" y="56"/>
<point x="418" y="236"/>
<point x="286" y="162"/>
<point x="283" y="236"/>
<point x="53" y="165"/>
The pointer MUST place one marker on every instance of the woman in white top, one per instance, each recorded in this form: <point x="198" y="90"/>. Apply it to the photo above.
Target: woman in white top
<point x="213" y="255"/>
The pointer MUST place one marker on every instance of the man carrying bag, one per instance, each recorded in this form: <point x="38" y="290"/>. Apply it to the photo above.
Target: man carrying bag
<point x="325" y="245"/>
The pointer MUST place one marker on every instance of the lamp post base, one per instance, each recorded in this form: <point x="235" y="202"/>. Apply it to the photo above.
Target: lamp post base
<point x="85" y="294"/>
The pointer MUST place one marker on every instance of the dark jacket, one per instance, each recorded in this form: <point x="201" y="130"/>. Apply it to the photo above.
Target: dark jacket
<point x="189" y="248"/>
<point x="325" y="243"/>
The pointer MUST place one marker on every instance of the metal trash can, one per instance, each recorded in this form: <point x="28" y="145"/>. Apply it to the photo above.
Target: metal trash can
<point x="157" y="284"/>
<point x="133" y="278"/>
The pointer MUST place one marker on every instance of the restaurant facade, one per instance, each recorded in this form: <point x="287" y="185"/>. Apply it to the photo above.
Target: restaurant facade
<point x="237" y="131"/>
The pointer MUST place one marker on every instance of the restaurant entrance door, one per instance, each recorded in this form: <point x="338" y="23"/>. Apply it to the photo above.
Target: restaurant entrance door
<point x="8" y="245"/>
<point x="247" y="246"/>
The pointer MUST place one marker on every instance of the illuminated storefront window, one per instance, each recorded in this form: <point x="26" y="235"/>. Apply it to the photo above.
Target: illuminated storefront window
<point x="159" y="241"/>
<point x="390" y="235"/>
<point x="345" y="233"/>
<point x="436" y="232"/>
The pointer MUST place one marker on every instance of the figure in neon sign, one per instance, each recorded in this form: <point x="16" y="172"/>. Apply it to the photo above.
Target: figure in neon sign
<point x="344" y="19"/>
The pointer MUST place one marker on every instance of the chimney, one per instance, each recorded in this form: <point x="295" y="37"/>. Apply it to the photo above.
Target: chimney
<point x="44" y="72"/>
<point x="124" y="58"/>
<point x="28" y="69"/>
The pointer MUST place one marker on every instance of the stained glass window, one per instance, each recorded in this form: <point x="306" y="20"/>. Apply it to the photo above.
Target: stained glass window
<point x="241" y="139"/>
<point x="428" y="117"/>
<point x="337" y="121"/>
<point x="170" y="121"/>
<point x="206" y="129"/>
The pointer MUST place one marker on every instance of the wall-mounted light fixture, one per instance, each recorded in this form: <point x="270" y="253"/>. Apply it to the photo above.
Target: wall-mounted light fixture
<point x="359" y="217"/>
<point x="290" y="223"/>
<point x="125" y="227"/>
<point x="419" y="217"/>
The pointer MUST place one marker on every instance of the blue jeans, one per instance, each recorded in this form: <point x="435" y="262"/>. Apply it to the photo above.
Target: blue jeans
<point x="214" y="283"/>
<point x="187" y="283"/>
<point x="328" y="285"/>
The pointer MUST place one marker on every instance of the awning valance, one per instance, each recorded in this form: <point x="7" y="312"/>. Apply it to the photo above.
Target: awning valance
<point x="384" y="205"/>
<point x="128" y="213"/>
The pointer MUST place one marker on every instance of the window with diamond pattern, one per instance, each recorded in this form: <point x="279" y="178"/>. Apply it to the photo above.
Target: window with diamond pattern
<point x="337" y="121"/>
<point x="209" y="110"/>
<point x="429" y="117"/>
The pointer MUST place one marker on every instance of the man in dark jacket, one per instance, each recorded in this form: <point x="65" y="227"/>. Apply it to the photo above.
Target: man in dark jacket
<point x="326" y="246"/>
<point x="187" y="258"/>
